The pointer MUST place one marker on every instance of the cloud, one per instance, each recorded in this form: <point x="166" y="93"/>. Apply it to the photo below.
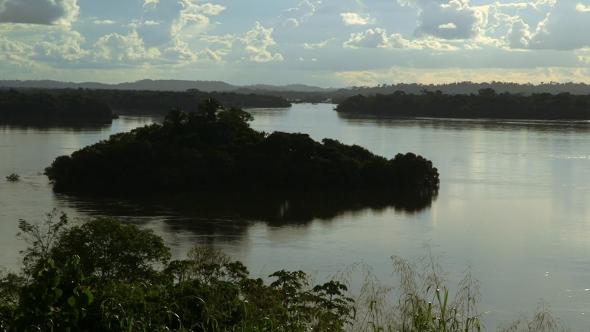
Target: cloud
<point x="582" y="8"/>
<point x="371" y="38"/>
<point x="150" y="3"/>
<point x="116" y="48"/>
<point x="14" y="51"/>
<point x="61" y="45"/>
<point x="314" y="46"/>
<point x="194" y="15"/>
<point x="45" y="12"/>
<point x="564" y="28"/>
<point x="256" y="43"/>
<point x="451" y="75"/>
<point x="298" y="15"/>
<point x="104" y="22"/>
<point x="356" y="19"/>
<point x="446" y="19"/>
<point x="379" y="38"/>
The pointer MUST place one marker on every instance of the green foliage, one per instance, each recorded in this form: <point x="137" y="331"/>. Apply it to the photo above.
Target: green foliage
<point x="67" y="285"/>
<point x="50" y="108"/>
<point x="486" y="104"/>
<point x="216" y="150"/>
<point x="105" y="275"/>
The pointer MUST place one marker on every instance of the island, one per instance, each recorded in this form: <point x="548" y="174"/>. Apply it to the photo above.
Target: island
<point x="216" y="150"/>
<point x="486" y="104"/>
<point x="42" y="108"/>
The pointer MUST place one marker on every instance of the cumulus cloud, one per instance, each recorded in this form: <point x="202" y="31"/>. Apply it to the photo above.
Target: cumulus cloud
<point x="314" y="46"/>
<point x="304" y="10"/>
<point x="14" y="51"/>
<point x="446" y="19"/>
<point x="104" y="22"/>
<point x="46" y="12"/>
<point x="563" y="29"/>
<point x="194" y="15"/>
<point x="356" y="19"/>
<point x="379" y="38"/>
<point x="257" y="42"/>
<point x="119" y="48"/>
<point x="61" y="45"/>
<point x="371" y="38"/>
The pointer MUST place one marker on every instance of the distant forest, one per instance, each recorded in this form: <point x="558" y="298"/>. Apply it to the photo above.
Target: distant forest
<point x="62" y="105"/>
<point x="487" y="103"/>
<point x="46" y="108"/>
<point x="160" y="102"/>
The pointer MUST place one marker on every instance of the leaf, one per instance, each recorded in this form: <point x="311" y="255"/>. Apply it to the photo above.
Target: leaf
<point x="72" y="301"/>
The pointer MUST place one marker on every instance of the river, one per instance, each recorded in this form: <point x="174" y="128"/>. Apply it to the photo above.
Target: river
<point x="514" y="206"/>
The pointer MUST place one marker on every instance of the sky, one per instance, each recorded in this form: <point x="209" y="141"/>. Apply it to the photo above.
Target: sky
<point x="318" y="42"/>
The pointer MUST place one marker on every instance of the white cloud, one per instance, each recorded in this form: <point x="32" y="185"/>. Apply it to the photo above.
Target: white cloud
<point x="314" y="46"/>
<point x="14" y="51"/>
<point x="582" y="8"/>
<point x="356" y="19"/>
<point x="119" y="48"/>
<point x="436" y="16"/>
<point x="45" y="12"/>
<point x="450" y="75"/>
<point x="61" y="45"/>
<point x="256" y="43"/>
<point x="371" y="38"/>
<point x="298" y="15"/>
<point x="379" y="38"/>
<point x="150" y="3"/>
<point x="104" y="22"/>
<point x="563" y="28"/>
<point x="194" y="15"/>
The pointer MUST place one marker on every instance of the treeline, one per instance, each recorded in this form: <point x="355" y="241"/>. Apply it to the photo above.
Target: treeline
<point x="485" y="104"/>
<point x="215" y="149"/>
<point x="148" y="102"/>
<point x="34" y="107"/>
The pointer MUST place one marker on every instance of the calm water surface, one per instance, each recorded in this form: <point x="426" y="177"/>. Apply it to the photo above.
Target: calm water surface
<point x="514" y="206"/>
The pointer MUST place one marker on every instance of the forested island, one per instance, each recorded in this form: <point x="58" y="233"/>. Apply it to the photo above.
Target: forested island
<point x="44" y="108"/>
<point x="216" y="150"/>
<point x="485" y="104"/>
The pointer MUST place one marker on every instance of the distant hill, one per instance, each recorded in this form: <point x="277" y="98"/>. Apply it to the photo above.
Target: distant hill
<point x="148" y="85"/>
<point x="160" y="85"/>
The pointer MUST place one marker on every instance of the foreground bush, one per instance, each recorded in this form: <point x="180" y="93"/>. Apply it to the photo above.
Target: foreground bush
<point x="107" y="276"/>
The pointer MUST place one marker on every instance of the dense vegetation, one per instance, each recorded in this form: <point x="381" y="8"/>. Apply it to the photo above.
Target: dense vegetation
<point x="145" y="102"/>
<point x="103" y="275"/>
<point x="216" y="150"/>
<point x="45" y="108"/>
<point x="486" y="104"/>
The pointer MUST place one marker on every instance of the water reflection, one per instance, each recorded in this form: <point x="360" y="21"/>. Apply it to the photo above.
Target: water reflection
<point x="210" y="213"/>
<point x="468" y="124"/>
<point x="73" y="127"/>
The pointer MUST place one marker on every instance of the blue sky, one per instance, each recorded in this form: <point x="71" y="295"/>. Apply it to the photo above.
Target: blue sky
<point x="321" y="42"/>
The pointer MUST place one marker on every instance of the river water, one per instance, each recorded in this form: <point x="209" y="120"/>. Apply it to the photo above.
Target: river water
<point x="513" y="208"/>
